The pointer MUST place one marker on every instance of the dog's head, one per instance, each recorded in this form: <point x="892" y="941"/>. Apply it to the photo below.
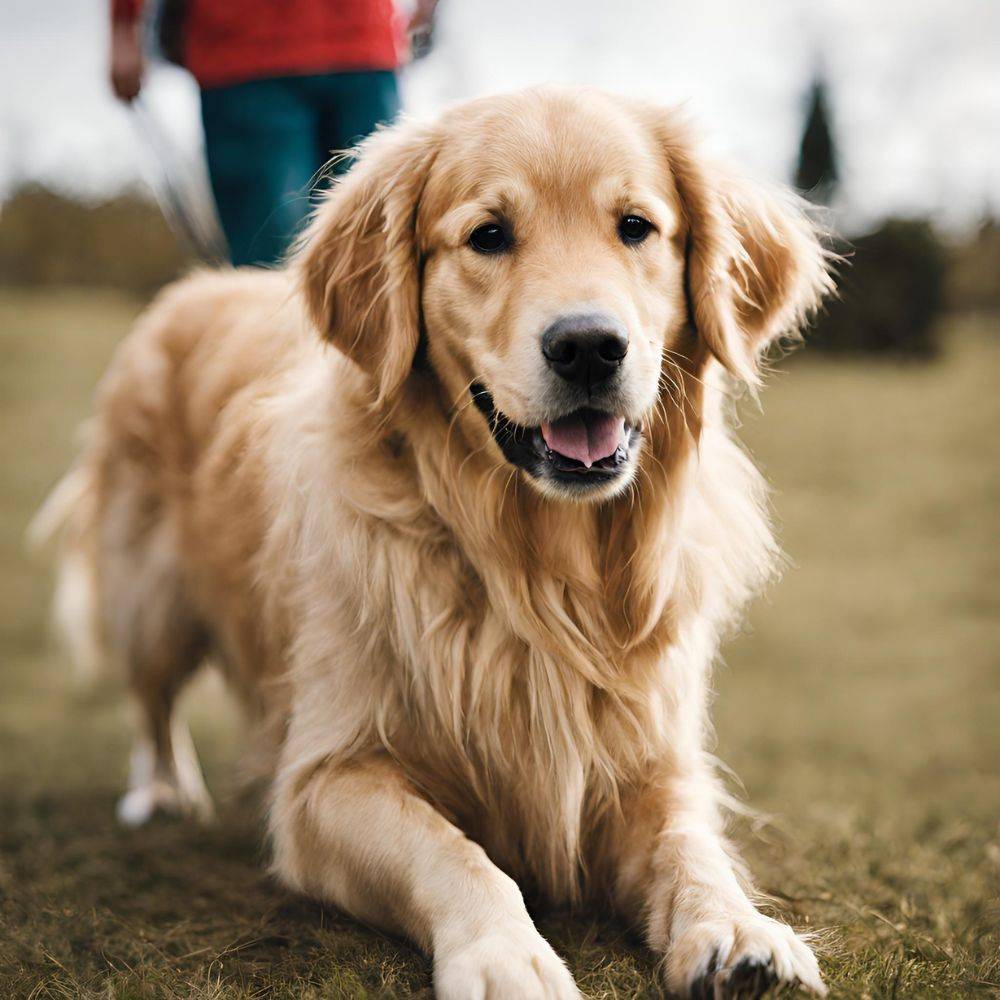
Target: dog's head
<point x="547" y="251"/>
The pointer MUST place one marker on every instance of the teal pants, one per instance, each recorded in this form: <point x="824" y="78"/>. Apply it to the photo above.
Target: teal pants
<point x="266" y="142"/>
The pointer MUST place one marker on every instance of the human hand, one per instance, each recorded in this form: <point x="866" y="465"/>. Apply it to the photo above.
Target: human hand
<point x="127" y="63"/>
<point x="421" y="28"/>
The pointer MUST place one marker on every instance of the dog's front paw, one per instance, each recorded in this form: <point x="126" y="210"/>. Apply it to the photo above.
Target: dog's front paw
<point x="738" y="959"/>
<point x="508" y="964"/>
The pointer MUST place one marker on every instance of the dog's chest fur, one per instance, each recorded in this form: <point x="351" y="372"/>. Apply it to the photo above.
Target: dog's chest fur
<point x="513" y="693"/>
<point x="528" y="667"/>
<point x="528" y="750"/>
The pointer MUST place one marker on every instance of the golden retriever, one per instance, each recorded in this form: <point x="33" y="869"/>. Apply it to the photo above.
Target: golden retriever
<point x="452" y="501"/>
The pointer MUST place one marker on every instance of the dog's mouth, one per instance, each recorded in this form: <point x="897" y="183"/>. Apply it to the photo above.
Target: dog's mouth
<point x="583" y="449"/>
<point x="585" y="442"/>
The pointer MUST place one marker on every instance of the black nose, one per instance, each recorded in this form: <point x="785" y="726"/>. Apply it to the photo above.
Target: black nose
<point x="585" y="349"/>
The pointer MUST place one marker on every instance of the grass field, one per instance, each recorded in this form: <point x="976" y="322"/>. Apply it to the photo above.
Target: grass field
<point x="861" y="709"/>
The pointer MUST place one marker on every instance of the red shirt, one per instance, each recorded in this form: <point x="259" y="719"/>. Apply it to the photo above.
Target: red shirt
<point x="230" y="41"/>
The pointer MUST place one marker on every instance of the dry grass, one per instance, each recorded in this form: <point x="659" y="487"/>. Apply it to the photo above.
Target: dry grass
<point x="862" y="713"/>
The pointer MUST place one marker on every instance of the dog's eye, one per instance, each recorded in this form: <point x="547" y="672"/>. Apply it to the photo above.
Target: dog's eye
<point x="634" y="228"/>
<point x="490" y="238"/>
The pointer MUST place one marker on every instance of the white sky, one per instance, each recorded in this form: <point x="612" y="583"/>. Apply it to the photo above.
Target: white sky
<point x="915" y="86"/>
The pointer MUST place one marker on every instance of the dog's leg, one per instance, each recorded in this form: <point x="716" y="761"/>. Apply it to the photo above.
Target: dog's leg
<point x="677" y="877"/>
<point x="162" y="646"/>
<point x="360" y="837"/>
<point x="164" y="773"/>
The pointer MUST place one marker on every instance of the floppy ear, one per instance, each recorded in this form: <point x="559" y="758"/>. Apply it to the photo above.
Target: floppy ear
<point x="755" y="265"/>
<point x="359" y="260"/>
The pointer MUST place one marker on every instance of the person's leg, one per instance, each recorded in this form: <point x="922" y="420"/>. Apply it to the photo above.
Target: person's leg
<point x="353" y="104"/>
<point x="261" y="155"/>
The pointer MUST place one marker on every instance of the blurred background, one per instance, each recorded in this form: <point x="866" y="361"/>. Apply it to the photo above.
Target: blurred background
<point x="860" y="707"/>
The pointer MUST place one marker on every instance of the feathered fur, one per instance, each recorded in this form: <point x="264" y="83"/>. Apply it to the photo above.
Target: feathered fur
<point x="442" y="659"/>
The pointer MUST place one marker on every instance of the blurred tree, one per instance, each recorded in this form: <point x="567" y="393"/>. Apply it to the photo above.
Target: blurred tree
<point x="817" y="174"/>
<point x="890" y="294"/>
<point x="974" y="278"/>
<point x="49" y="239"/>
<point x="892" y="285"/>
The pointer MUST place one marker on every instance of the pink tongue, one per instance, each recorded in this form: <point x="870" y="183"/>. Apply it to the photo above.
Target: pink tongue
<point x="588" y="440"/>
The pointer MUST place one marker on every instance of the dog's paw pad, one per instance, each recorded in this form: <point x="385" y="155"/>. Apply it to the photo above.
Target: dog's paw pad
<point x="750" y="978"/>
<point x="703" y="988"/>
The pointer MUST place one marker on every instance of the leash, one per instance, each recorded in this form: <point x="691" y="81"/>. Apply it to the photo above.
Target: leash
<point x="179" y="189"/>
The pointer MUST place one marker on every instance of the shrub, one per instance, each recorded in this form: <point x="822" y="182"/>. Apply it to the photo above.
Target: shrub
<point x="974" y="279"/>
<point x="48" y="239"/>
<point x="891" y="291"/>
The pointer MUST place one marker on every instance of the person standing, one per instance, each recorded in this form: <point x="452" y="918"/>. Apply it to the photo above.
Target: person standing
<point x="283" y="83"/>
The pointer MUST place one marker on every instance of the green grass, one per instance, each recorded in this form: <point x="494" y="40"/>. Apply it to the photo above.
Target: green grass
<point x="861" y="709"/>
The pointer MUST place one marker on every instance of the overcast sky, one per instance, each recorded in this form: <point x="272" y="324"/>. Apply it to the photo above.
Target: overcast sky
<point x="915" y="86"/>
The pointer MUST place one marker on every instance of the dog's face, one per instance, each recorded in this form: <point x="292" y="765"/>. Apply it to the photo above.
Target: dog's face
<point x="553" y="277"/>
<point x="546" y="246"/>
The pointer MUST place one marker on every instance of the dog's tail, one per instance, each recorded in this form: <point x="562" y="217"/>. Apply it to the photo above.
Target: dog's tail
<point x="69" y="518"/>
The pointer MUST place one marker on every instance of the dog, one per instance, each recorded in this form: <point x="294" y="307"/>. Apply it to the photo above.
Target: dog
<point x="453" y="501"/>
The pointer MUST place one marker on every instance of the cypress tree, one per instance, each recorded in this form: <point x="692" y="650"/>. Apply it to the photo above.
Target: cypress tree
<point x="817" y="174"/>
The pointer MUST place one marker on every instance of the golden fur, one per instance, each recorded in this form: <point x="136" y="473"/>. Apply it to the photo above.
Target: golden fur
<point x="458" y="675"/>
